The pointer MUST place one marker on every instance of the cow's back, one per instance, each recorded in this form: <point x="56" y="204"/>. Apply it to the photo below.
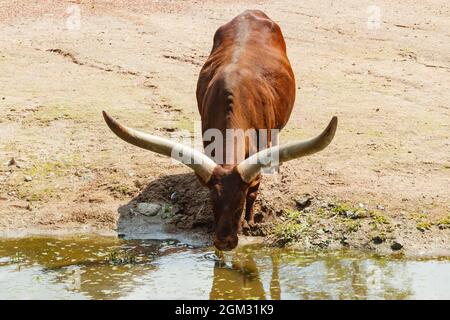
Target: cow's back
<point x="247" y="81"/>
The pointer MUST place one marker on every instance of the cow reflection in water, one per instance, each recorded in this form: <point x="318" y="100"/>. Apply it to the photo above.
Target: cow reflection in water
<point x="242" y="279"/>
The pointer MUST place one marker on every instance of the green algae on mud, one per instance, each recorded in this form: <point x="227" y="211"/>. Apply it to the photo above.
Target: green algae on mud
<point x="317" y="223"/>
<point x="94" y="267"/>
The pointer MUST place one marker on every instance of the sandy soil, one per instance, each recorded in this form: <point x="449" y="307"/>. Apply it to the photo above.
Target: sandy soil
<point x="140" y="61"/>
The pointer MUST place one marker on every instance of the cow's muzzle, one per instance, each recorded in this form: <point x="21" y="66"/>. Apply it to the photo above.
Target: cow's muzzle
<point x="226" y="244"/>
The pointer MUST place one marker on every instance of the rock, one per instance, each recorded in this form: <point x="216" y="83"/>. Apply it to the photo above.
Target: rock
<point x="12" y="162"/>
<point x="350" y="214"/>
<point x="344" y="241"/>
<point x="325" y="205"/>
<point x="377" y="239"/>
<point x="148" y="209"/>
<point x="355" y="214"/>
<point x="379" y="207"/>
<point x="259" y="217"/>
<point x="28" y="178"/>
<point x="83" y="172"/>
<point x="304" y="202"/>
<point x="396" y="246"/>
<point x="328" y="229"/>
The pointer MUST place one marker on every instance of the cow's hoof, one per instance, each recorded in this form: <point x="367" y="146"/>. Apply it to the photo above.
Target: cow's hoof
<point x="245" y="225"/>
<point x="251" y="224"/>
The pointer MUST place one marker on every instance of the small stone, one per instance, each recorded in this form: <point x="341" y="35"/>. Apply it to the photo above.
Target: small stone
<point x="304" y="202"/>
<point x="355" y="214"/>
<point x="173" y="196"/>
<point x="12" y="162"/>
<point x="396" y="246"/>
<point x="28" y="178"/>
<point x="377" y="239"/>
<point x="328" y="230"/>
<point x="325" y="205"/>
<point x="259" y="217"/>
<point x="344" y="241"/>
<point x="148" y="209"/>
<point x="350" y="214"/>
<point x="379" y="207"/>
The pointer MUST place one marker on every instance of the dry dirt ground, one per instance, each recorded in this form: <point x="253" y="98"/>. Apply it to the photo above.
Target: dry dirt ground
<point x="382" y="184"/>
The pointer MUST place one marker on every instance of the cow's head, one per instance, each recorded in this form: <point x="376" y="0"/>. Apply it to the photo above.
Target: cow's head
<point x="228" y="193"/>
<point x="228" y="184"/>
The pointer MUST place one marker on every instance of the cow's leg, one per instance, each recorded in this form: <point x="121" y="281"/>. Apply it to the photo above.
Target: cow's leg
<point x="250" y="200"/>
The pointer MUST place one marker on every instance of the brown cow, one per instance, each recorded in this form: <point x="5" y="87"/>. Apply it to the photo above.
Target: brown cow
<point x="247" y="83"/>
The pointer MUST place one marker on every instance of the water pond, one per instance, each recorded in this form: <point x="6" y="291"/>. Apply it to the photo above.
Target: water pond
<point x="92" y="267"/>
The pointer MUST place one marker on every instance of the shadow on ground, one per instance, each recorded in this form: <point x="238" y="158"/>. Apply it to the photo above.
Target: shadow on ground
<point x="185" y="210"/>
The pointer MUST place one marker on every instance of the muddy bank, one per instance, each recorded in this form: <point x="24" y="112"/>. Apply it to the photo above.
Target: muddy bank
<point x="287" y="219"/>
<point x="177" y="206"/>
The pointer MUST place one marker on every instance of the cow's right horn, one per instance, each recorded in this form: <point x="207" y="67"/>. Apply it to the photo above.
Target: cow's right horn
<point x="251" y="167"/>
<point x="197" y="161"/>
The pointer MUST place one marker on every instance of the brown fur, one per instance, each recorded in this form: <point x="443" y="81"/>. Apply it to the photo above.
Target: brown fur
<point x="246" y="83"/>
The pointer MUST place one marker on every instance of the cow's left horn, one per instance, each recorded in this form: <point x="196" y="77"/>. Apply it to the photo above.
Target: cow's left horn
<point x="251" y="167"/>
<point x="197" y="161"/>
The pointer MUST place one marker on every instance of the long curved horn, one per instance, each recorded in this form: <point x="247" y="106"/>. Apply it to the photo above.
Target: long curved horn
<point x="250" y="167"/>
<point x="197" y="161"/>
